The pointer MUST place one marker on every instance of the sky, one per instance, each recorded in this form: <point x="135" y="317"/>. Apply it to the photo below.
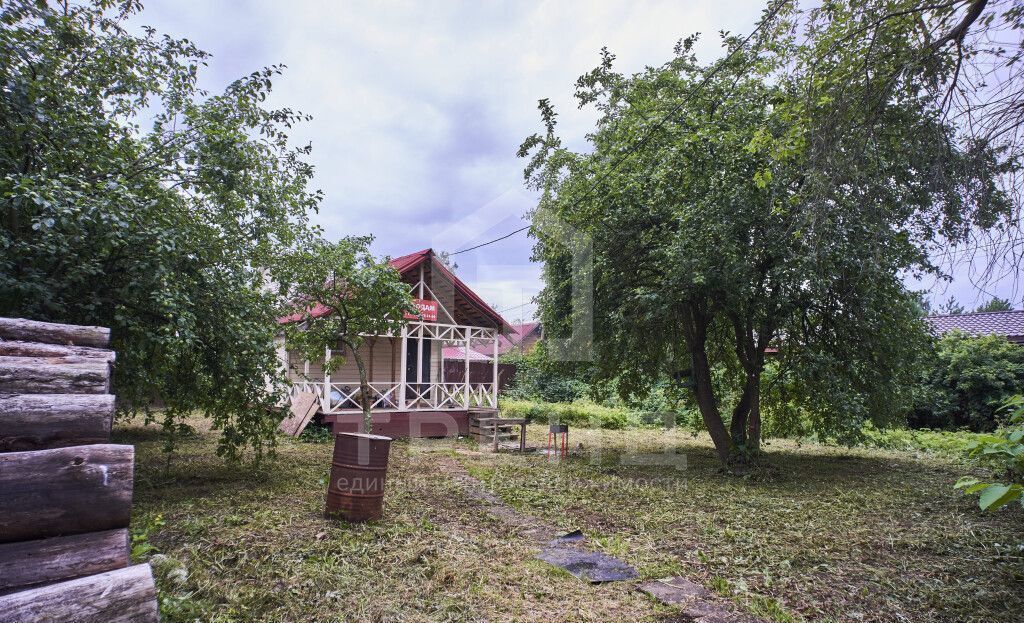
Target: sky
<point x="418" y="107"/>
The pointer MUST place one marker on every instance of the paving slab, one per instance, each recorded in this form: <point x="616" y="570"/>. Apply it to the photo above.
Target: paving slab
<point x="698" y="604"/>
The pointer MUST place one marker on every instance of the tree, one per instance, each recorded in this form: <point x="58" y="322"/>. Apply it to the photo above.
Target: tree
<point x="717" y="227"/>
<point x="964" y="57"/>
<point x="951" y="307"/>
<point x="964" y="381"/>
<point x="339" y="293"/>
<point x="164" y="231"/>
<point x="995" y="304"/>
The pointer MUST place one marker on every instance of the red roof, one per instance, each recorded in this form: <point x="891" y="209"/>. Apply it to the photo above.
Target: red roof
<point x="458" y="353"/>
<point x="405" y="263"/>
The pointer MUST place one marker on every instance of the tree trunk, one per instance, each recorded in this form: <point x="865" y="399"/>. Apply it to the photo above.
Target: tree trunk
<point x="738" y="424"/>
<point x="746" y="423"/>
<point x="365" y="400"/>
<point x="695" y="326"/>
<point x="754" y="422"/>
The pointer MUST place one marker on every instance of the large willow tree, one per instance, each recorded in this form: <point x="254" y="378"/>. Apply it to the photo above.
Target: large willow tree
<point x="762" y="200"/>
<point x="132" y="199"/>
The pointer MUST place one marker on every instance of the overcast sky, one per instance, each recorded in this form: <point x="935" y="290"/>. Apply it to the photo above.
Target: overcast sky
<point x="418" y="107"/>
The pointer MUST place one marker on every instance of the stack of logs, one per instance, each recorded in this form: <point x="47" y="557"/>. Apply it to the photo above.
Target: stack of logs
<point x="65" y="493"/>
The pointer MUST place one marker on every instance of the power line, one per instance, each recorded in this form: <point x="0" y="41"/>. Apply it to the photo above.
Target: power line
<point x="501" y="311"/>
<point x="484" y="244"/>
<point x="657" y="126"/>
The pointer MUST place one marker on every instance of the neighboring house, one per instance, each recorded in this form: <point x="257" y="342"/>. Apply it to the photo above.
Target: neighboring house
<point x="1009" y="324"/>
<point x="521" y="337"/>
<point x="411" y="395"/>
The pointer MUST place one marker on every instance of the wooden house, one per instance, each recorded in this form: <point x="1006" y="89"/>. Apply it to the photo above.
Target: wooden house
<point x="410" y="393"/>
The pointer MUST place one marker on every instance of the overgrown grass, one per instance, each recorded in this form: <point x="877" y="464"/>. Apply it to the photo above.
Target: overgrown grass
<point x="579" y="413"/>
<point x="820" y="534"/>
<point x="945" y="443"/>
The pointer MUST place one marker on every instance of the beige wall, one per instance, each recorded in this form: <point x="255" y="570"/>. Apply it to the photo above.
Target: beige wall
<point x="382" y="366"/>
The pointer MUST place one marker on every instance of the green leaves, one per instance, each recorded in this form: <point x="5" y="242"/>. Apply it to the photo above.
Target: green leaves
<point x="336" y="293"/>
<point x="1002" y="453"/>
<point x="164" y="233"/>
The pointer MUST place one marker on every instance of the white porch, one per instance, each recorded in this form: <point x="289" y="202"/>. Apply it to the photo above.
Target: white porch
<point x="397" y="383"/>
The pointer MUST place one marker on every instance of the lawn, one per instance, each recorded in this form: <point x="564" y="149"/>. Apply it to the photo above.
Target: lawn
<point x="820" y="534"/>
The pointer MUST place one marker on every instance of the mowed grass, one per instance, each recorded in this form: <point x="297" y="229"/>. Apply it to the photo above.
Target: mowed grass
<point x="820" y="534"/>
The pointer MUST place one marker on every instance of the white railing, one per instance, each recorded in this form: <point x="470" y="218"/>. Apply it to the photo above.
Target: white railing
<point x="344" y="397"/>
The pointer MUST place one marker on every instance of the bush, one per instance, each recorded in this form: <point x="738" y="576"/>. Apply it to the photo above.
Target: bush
<point x="582" y="413"/>
<point x="946" y="443"/>
<point x="539" y="378"/>
<point x="1003" y="453"/>
<point x="966" y="380"/>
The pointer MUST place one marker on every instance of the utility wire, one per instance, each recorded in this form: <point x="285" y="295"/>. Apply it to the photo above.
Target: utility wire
<point x="657" y="126"/>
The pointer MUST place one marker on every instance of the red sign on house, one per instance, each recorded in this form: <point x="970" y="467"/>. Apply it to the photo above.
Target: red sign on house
<point x="427" y="311"/>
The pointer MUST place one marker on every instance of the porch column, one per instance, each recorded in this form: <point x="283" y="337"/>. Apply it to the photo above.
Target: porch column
<point x="469" y="340"/>
<point x="401" y="371"/>
<point x="327" y="380"/>
<point x="494" y="389"/>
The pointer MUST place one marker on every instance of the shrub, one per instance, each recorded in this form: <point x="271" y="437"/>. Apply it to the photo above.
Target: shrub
<point x="1003" y="452"/>
<point x="946" y="443"/>
<point x="966" y="380"/>
<point x="540" y="378"/>
<point x="582" y="413"/>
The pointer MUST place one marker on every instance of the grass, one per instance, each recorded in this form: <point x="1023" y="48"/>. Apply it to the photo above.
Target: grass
<point x="821" y="534"/>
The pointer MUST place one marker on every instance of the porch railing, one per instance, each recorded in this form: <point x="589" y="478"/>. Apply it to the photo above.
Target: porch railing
<point x="344" y="396"/>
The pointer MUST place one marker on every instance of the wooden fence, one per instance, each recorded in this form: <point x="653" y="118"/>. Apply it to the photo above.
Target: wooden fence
<point x="65" y="492"/>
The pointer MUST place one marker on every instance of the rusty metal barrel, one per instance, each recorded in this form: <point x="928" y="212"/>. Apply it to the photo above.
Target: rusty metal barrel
<point x="358" y="469"/>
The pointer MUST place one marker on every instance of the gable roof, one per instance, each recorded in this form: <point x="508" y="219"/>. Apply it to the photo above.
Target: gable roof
<point x="405" y="264"/>
<point x="1006" y="323"/>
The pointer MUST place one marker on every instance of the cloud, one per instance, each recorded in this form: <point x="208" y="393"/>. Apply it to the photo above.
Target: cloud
<point x="418" y="107"/>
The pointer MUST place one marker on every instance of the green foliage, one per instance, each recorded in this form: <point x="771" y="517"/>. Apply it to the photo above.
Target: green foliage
<point x="995" y="304"/>
<point x="337" y="293"/>
<point x="1003" y="452"/>
<point x="142" y="529"/>
<point x="538" y="377"/>
<point x="582" y="413"/>
<point x="951" y="307"/>
<point x="944" y="443"/>
<point x="965" y="380"/>
<point x="731" y="226"/>
<point x="163" y="231"/>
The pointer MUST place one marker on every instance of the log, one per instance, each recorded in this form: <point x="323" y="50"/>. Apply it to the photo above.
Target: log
<point x="65" y="491"/>
<point x="121" y="596"/>
<point x="54" y="375"/>
<point x="40" y="421"/>
<point x="43" y="561"/>
<point x="53" y="333"/>
<point x="13" y="348"/>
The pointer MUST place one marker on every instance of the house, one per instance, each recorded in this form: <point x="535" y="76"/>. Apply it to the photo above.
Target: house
<point x="521" y="337"/>
<point x="1009" y="324"/>
<point x="411" y="394"/>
